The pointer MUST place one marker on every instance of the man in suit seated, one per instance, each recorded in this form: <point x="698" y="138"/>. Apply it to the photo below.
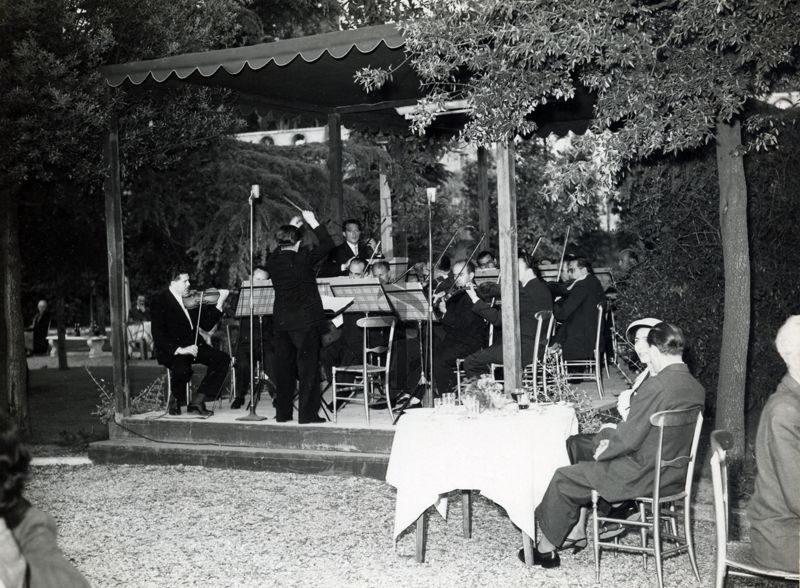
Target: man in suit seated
<point x="338" y="261"/>
<point x="178" y="346"/>
<point x="774" y="509"/>
<point x="578" y="311"/>
<point x="533" y="297"/>
<point x="624" y="458"/>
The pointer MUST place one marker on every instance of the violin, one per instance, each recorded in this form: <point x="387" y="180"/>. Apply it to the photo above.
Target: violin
<point x="488" y="291"/>
<point x="194" y="297"/>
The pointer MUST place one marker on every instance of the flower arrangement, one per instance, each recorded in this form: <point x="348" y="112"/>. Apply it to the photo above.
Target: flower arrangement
<point x="150" y="399"/>
<point x="487" y="391"/>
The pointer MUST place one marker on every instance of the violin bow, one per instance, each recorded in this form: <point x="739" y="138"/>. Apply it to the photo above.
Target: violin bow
<point x="535" y="247"/>
<point x="466" y="263"/>
<point x="563" y="251"/>
<point x="199" y="314"/>
<point x="372" y="257"/>
<point x="446" y="247"/>
<point x="290" y="203"/>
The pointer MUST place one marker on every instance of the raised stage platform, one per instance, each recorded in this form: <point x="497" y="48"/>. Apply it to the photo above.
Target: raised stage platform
<point x="348" y="447"/>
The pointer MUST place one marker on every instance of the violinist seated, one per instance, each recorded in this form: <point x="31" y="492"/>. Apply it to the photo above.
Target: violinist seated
<point x="338" y="260"/>
<point x="380" y="269"/>
<point x="356" y="268"/>
<point x="533" y="297"/>
<point x="486" y="260"/>
<point x="464" y="330"/>
<point x="176" y="318"/>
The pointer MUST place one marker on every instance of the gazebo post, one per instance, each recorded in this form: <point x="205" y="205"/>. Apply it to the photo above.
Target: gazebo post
<point x="335" y="168"/>
<point x="386" y="223"/>
<point x="509" y="271"/>
<point x="116" y="269"/>
<point x="483" y="195"/>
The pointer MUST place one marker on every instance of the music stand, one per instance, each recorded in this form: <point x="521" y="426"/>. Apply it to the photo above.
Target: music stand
<point x="367" y="294"/>
<point x="486" y="275"/>
<point x="410" y="303"/>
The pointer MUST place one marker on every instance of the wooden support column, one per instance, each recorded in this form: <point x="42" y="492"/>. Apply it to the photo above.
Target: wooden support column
<point x="386" y="228"/>
<point x="116" y="270"/>
<point x="335" y="168"/>
<point x="509" y="271"/>
<point x="483" y="195"/>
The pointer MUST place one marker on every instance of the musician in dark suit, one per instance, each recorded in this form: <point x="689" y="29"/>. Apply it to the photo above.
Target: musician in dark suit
<point x="177" y="345"/>
<point x="533" y="297"/>
<point x="41" y="327"/>
<point x="464" y="330"/>
<point x="338" y="261"/>
<point x="298" y="317"/>
<point x="624" y="458"/>
<point x="578" y="311"/>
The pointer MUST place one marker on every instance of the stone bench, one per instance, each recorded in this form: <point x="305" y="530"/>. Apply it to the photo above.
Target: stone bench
<point x="95" y="344"/>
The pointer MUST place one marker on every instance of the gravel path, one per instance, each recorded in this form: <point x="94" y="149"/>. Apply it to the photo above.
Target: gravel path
<point x="157" y="526"/>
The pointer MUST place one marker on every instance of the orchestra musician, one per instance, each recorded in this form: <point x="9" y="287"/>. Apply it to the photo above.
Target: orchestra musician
<point x="338" y="261"/>
<point x="175" y="324"/>
<point x="464" y="329"/>
<point x="380" y="269"/>
<point x="533" y="297"/>
<point x="578" y="311"/>
<point x="298" y="318"/>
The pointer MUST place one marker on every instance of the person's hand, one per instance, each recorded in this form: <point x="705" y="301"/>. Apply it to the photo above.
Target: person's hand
<point x="473" y="295"/>
<point x="346" y="264"/>
<point x="310" y="218"/>
<point x="223" y="296"/>
<point x="624" y="404"/>
<point x="372" y="244"/>
<point x="296" y="221"/>
<point x="188" y="350"/>
<point x="442" y="306"/>
<point x="601" y="447"/>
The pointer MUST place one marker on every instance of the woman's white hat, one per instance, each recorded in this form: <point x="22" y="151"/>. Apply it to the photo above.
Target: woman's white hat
<point x="644" y="322"/>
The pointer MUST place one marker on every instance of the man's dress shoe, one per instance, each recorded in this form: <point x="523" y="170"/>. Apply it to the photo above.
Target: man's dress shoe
<point x="313" y="420"/>
<point x="174" y="410"/>
<point x="199" y="410"/>
<point x="237" y="403"/>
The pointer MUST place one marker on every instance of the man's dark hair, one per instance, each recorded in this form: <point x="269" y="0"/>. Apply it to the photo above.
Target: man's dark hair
<point x="175" y="272"/>
<point x="287" y="235"/>
<point x="583" y="262"/>
<point x="667" y="339"/>
<point x="483" y="254"/>
<point x="528" y="259"/>
<point x="351" y="221"/>
<point x="444" y="263"/>
<point x="14" y="466"/>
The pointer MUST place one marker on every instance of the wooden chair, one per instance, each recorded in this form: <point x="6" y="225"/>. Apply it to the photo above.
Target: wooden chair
<point x="535" y="373"/>
<point x="736" y="555"/>
<point x="592" y="368"/>
<point x="369" y="371"/>
<point x="662" y="511"/>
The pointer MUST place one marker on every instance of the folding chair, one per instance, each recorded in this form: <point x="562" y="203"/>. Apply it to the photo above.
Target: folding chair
<point x="535" y="373"/>
<point x="370" y="371"/>
<point x="736" y="555"/>
<point x="662" y="510"/>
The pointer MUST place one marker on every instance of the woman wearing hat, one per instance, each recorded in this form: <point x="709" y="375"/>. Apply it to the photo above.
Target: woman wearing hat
<point x="636" y="335"/>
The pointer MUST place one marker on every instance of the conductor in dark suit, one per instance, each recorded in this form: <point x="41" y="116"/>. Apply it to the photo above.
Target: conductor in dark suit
<point x="624" y="458"/>
<point x="177" y="345"/>
<point x="578" y="311"/>
<point x="298" y="316"/>
<point x="338" y="261"/>
<point x="533" y="297"/>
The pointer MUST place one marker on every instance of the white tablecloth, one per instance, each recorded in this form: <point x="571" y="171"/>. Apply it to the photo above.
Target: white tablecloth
<point x="509" y="457"/>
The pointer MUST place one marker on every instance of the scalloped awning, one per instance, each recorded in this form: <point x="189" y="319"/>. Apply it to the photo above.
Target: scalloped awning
<point x="313" y="76"/>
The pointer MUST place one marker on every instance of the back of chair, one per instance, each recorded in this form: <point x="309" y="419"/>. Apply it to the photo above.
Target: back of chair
<point x="721" y="442"/>
<point x="676" y="418"/>
<point x="377" y="322"/>
<point x="598" y="339"/>
<point x="544" y="321"/>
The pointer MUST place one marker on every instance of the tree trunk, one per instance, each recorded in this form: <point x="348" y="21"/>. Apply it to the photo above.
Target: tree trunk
<point x="61" y="328"/>
<point x="736" y="260"/>
<point x="3" y="323"/>
<point x="14" y="363"/>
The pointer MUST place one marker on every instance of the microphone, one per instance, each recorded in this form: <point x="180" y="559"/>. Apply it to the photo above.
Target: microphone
<point x="431" y="193"/>
<point x="255" y="191"/>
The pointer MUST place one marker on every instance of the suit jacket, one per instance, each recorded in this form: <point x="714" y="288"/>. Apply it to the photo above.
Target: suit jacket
<point x="170" y="327"/>
<point x="627" y="467"/>
<point x="533" y="297"/>
<point x="774" y="509"/>
<point x="463" y="326"/>
<point x="339" y="255"/>
<point x="297" y="301"/>
<point x="578" y="315"/>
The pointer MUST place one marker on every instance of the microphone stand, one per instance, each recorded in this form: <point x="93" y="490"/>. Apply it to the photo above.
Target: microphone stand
<point x="431" y="198"/>
<point x="251" y="415"/>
